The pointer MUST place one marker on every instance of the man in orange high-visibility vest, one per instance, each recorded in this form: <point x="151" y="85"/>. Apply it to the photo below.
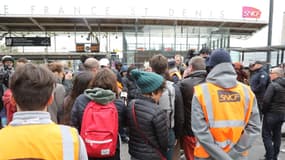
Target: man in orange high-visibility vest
<point x="225" y="117"/>
<point x="32" y="134"/>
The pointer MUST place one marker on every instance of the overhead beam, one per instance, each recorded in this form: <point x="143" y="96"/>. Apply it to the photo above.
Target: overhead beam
<point x="87" y="24"/>
<point x="4" y="28"/>
<point x="37" y="24"/>
<point x="221" y="25"/>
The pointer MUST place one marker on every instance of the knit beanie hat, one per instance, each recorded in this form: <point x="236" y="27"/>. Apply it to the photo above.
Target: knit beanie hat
<point x="219" y="56"/>
<point x="147" y="81"/>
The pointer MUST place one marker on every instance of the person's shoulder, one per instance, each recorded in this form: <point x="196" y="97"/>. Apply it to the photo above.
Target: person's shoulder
<point x="71" y="129"/>
<point x="82" y="96"/>
<point x="6" y="133"/>
<point x="59" y="87"/>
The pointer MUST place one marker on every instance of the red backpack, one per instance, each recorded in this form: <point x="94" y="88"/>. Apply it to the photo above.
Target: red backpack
<point x="99" y="129"/>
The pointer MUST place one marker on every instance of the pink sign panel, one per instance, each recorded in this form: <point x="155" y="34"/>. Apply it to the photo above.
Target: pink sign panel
<point x="250" y="12"/>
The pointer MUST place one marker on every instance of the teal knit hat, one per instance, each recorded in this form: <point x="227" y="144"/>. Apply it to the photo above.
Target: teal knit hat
<point x="147" y="81"/>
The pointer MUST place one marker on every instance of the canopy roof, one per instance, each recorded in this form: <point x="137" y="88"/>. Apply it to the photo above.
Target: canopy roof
<point x="68" y="24"/>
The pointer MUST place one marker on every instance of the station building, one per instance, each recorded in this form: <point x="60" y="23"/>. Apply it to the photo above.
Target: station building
<point x="129" y="30"/>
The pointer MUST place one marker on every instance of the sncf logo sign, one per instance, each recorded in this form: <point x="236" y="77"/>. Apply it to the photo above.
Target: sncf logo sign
<point x="250" y="12"/>
<point x="228" y="96"/>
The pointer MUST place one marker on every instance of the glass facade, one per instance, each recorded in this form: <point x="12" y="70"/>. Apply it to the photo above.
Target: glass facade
<point x="144" y="41"/>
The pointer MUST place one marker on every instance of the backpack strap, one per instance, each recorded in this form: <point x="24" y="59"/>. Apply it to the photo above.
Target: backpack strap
<point x="67" y="143"/>
<point x="147" y="141"/>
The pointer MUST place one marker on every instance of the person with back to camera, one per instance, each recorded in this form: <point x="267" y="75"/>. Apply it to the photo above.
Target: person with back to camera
<point x="148" y="129"/>
<point x="55" y="109"/>
<point x="32" y="134"/>
<point x="80" y="83"/>
<point x="225" y="117"/>
<point x="197" y="74"/>
<point x="170" y="102"/>
<point x="103" y="91"/>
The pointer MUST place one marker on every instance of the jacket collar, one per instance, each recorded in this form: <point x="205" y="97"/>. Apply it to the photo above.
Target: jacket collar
<point x="30" y="117"/>
<point x="199" y="73"/>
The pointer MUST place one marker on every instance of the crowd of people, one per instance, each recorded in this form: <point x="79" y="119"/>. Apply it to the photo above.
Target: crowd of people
<point x="204" y="107"/>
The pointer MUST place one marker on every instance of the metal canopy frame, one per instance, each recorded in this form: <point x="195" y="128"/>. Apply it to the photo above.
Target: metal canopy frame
<point x="85" y="24"/>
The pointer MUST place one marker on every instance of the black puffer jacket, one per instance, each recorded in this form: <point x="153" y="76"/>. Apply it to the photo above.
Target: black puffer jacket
<point x="152" y="122"/>
<point x="186" y="88"/>
<point x="274" y="97"/>
<point x="259" y="81"/>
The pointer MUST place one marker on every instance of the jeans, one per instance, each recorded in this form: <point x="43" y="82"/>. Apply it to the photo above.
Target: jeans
<point x="271" y="134"/>
<point x="171" y="143"/>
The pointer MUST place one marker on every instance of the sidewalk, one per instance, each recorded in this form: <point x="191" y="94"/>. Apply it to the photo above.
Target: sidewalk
<point x="256" y="152"/>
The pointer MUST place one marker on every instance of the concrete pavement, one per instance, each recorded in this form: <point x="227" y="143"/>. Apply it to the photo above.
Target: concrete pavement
<point x="256" y="152"/>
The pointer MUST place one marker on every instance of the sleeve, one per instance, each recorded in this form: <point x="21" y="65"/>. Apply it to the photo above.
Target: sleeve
<point x="82" y="150"/>
<point x="67" y="83"/>
<point x="254" y="81"/>
<point x="179" y="112"/>
<point x="78" y="110"/>
<point x="161" y="129"/>
<point x="60" y="94"/>
<point x="269" y="93"/>
<point x="121" y="112"/>
<point x="250" y="133"/>
<point x="202" y="132"/>
<point x="74" y="115"/>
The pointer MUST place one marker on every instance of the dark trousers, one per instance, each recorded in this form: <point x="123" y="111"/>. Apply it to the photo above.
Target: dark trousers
<point x="271" y="134"/>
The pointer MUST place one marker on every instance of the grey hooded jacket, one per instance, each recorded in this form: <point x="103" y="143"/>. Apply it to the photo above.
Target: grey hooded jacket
<point x="224" y="76"/>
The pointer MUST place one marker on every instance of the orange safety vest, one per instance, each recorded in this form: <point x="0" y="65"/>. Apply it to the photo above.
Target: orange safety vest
<point x="227" y="111"/>
<point x="43" y="141"/>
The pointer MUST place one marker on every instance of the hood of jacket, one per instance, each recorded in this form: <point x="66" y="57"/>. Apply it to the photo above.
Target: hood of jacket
<point x="100" y="95"/>
<point x="223" y="75"/>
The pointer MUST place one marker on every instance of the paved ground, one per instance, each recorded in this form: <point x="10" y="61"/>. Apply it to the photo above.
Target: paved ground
<point x="256" y="152"/>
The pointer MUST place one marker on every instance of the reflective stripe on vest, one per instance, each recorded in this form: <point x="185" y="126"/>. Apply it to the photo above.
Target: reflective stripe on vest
<point x="220" y="117"/>
<point x="67" y="143"/>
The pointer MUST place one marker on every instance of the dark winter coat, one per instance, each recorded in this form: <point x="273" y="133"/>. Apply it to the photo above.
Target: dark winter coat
<point x="274" y="97"/>
<point x="152" y="123"/>
<point x="186" y="87"/>
<point x="132" y="88"/>
<point x="259" y="81"/>
<point x="178" y="112"/>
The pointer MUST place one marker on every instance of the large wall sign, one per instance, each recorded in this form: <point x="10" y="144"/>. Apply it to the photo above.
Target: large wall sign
<point x="228" y="10"/>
